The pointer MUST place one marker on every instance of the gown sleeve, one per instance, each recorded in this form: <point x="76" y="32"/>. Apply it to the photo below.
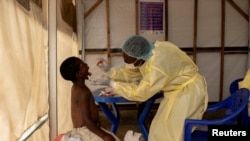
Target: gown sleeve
<point x="125" y="75"/>
<point x="151" y="83"/>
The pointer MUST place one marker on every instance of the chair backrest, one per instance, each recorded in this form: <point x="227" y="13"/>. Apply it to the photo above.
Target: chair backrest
<point x="234" y="85"/>
<point x="234" y="106"/>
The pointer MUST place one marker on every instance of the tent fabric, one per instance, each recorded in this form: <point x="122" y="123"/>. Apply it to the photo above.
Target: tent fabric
<point x="24" y="85"/>
<point x="24" y="75"/>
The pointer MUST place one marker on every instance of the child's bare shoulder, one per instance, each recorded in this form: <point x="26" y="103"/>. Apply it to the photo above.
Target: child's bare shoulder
<point x="81" y="91"/>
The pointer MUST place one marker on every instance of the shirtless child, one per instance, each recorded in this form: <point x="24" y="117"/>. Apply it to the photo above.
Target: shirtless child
<point x="84" y="112"/>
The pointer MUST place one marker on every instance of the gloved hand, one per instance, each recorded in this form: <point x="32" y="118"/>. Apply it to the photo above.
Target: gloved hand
<point x="103" y="65"/>
<point x="104" y="80"/>
<point x="101" y="81"/>
<point x="107" y="92"/>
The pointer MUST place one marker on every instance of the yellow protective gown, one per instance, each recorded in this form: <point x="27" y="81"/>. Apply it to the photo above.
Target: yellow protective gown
<point x="245" y="83"/>
<point x="185" y="91"/>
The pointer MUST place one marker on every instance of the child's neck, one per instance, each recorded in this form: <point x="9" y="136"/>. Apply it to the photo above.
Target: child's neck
<point x="80" y="82"/>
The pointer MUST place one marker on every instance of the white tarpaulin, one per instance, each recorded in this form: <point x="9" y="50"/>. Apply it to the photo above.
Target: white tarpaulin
<point x="23" y="83"/>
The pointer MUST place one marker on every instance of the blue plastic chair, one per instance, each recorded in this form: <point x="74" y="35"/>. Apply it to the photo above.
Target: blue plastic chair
<point x="234" y="87"/>
<point x="233" y="107"/>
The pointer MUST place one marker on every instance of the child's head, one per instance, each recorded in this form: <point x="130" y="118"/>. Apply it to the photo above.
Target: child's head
<point x="69" y="68"/>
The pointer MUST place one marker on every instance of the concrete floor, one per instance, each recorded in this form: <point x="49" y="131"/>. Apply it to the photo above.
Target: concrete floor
<point x="128" y="121"/>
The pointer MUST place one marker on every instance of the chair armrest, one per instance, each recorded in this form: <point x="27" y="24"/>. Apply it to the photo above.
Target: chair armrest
<point x="233" y="105"/>
<point x="216" y="106"/>
<point x="225" y="120"/>
<point x="191" y="123"/>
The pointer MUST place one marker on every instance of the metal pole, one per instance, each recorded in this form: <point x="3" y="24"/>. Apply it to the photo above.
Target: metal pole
<point x="52" y="67"/>
<point x="80" y="26"/>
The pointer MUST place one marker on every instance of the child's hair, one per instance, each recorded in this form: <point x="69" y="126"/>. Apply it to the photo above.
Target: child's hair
<point x="69" y="68"/>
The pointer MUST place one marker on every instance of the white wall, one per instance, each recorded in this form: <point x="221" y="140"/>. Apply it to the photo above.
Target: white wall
<point x="181" y="32"/>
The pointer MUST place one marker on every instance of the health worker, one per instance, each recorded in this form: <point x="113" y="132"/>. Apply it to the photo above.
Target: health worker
<point x="161" y="66"/>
